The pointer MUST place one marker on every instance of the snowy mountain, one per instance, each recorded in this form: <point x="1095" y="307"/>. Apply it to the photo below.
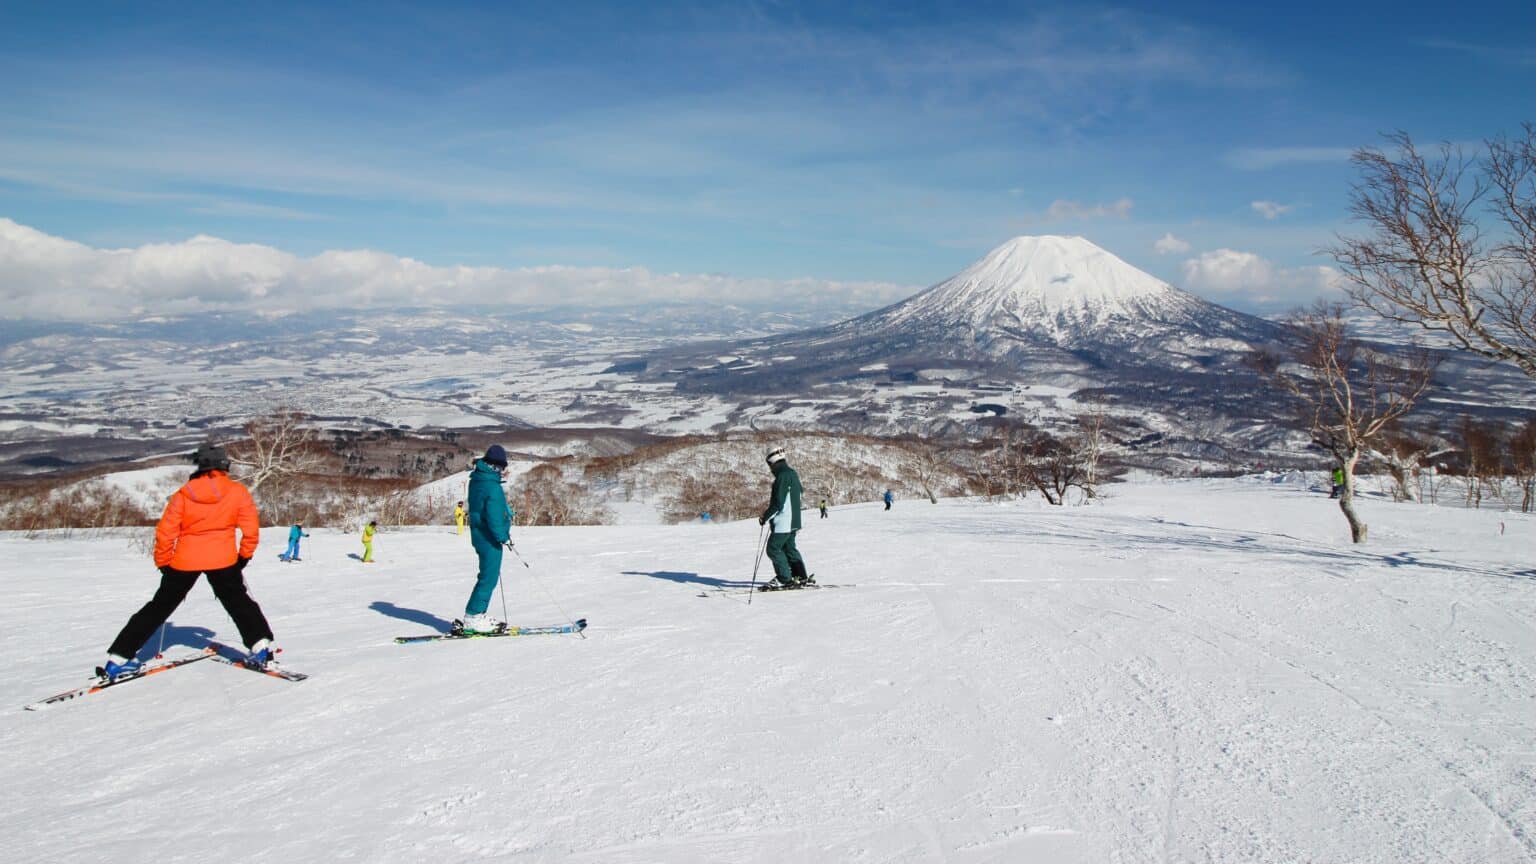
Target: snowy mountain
<point x="1060" y="290"/>
<point x="1055" y="316"/>
<point x="1184" y="671"/>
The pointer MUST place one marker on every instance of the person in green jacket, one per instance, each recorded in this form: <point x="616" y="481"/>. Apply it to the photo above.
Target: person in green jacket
<point x="783" y="513"/>
<point x="1338" y="482"/>
<point x="368" y="532"/>
<point x="490" y="530"/>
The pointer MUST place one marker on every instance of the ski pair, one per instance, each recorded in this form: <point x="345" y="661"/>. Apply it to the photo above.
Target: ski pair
<point x="576" y="626"/>
<point x="744" y="589"/>
<point x="209" y="653"/>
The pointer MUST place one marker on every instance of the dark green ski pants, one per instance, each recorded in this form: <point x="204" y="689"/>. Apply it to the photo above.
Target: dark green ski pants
<point x="784" y="555"/>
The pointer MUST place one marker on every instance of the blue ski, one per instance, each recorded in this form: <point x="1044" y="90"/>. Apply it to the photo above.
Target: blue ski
<point x="576" y="626"/>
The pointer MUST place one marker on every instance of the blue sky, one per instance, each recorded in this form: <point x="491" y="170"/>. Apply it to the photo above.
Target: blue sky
<point x="851" y="143"/>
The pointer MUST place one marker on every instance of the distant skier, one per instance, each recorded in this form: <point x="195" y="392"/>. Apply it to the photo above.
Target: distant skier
<point x="294" y="534"/>
<point x="459" y="515"/>
<point x="1337" y="476"/>
<point x="490" y="529"/>
<point x="823" y="506"/>
<point x="783" y="515"/>
<point x="369" y="530"/>
<point x="889" y="497"/>
<point x="196" y="535"/>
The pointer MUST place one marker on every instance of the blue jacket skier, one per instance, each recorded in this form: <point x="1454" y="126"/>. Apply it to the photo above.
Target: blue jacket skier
<point x="490" y="528"/>
<point x="783" y="514"/>
<point x="294" y="534"/>
<point x="888" y="498"/>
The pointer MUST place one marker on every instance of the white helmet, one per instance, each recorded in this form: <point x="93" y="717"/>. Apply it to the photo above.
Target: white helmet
<point x="775" y="454"/>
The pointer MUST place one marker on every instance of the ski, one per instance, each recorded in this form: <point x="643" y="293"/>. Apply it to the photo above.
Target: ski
<point x="271" y="669"/>
<point x="576" y="626"/>
<point x="763" y="589"/>
<point x="103" y="682"/>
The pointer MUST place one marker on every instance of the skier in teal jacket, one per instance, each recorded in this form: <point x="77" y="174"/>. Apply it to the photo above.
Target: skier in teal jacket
<point x="490" y="528"/>
<point x="783" y="513"/>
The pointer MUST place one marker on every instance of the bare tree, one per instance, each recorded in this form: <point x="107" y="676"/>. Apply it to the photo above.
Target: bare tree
<point x="925" y="462"/>
<point x="1091" y="430"/>
<point x="1522" y="462"/>
<point x="1403" y="454"/>
<point x="1482" y="447"/>
<point x="1053" y="465"/>
<point x="548" y="499"/>
<point x="275" y="446"/>
<point x="1426" y="261"/>
<point x="1348" y="395"/>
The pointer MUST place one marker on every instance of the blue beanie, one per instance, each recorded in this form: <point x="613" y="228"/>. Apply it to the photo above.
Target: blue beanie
<point x="495" y="455"/>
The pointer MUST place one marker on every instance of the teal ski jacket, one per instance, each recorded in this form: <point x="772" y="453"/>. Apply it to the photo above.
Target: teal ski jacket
<point x="490" y="518"/>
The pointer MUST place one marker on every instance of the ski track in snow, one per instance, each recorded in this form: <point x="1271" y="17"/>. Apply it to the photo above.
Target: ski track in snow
<point x="1186" y="671"/>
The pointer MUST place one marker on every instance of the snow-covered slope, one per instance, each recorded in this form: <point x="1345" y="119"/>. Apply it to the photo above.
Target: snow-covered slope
<point x="1196" y="671"/>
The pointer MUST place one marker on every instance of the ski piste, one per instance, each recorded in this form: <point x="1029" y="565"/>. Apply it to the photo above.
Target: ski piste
<point x="576" y="626"/>
<point x="102" y="682"/>
<point x="271" y="670"/>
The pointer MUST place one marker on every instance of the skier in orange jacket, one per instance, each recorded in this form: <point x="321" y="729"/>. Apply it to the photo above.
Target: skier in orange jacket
<point x="196" y="535"/>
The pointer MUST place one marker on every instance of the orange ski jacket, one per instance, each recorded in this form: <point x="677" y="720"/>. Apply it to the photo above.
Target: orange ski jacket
<point x="197" y="531"/>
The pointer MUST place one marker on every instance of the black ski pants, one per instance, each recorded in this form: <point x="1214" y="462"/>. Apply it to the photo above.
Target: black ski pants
<point x="228" y="585"/>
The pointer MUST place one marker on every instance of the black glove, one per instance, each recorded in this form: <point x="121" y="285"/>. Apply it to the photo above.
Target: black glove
<point x="762" y="520"/>
<point x="240" y="563"/>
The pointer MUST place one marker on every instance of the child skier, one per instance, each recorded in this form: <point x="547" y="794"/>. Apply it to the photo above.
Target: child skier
<point x="459" y="515"/>
<point x="368" y="532"/>
<point x="294" y="534"/>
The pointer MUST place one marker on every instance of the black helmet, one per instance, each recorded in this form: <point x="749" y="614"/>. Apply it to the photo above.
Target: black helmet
<point x="210" y="457"/>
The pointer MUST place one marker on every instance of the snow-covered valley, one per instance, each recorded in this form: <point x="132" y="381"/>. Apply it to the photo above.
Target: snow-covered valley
<point x="1183" y="671"/>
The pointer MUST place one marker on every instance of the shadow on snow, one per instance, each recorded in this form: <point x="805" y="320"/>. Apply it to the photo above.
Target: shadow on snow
<point x="191" y="637"/>
<point x="689" y="578"/>
<point x="415" y="616"/>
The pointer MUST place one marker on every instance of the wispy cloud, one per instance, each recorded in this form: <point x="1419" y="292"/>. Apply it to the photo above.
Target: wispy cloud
<point x="1271" y="210"/>
<point x="1264" y="158"/>
<point x="48" y="277"/>
<point x="1521" y="55"/>
<point x="1062" y="210"/>
<point x="1170" y="245"/>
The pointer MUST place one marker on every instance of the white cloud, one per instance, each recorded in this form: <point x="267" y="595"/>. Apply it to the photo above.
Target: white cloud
<point x="1062" y="210"/>
<point x="1264" y="158"/>
<point x="47" y="277"/>
<point x="1170" y="245"/>
<point x="1227" y="274"/>
<point x="1271" y="210"/>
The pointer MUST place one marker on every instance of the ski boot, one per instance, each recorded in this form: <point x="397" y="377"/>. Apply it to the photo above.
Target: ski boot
<point x="478" y="625"/>
<point x="117" y="667"/>
<point x="262" y="654"/>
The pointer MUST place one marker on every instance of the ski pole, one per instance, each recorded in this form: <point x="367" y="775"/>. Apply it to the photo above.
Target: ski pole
<point x="501" y="585"/>
<point x="756" y="562"/>
<point x="542" y="587"/>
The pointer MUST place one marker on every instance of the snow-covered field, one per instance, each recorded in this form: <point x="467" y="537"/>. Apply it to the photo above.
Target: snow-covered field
<point x="1187" y="671"/>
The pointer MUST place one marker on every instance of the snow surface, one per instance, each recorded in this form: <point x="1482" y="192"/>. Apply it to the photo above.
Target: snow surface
<point x="1186" y="671"/>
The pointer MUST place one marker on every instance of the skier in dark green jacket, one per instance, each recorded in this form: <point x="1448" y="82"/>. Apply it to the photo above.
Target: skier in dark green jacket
<point x="783" y="514"/>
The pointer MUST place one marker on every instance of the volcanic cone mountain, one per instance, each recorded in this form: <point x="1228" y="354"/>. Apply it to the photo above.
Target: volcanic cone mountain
<point x="1035" y="310"/>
